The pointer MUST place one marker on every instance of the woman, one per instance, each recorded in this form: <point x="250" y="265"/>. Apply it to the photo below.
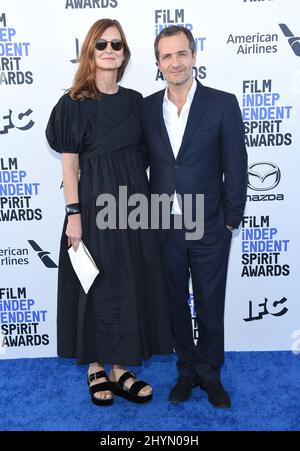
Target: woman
<point x="124" y="318"/>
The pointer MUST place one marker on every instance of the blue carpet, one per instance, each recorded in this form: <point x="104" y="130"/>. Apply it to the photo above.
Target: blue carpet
<point x="51" y="394"/>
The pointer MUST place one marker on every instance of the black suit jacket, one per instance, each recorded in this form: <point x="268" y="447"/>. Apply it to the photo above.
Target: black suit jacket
<point x="212" y="159"/>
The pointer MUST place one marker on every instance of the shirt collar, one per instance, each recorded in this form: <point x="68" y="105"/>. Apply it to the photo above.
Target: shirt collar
<point x="189" y="97"/>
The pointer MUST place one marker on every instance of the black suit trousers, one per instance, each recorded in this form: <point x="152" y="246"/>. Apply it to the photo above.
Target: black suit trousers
<point x="207" y="263"/>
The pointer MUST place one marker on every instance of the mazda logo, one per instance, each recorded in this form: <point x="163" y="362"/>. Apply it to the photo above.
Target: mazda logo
<point x="263" y="176"/>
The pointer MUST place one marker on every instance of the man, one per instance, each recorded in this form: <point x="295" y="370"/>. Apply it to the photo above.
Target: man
<point x="195" y="139"/>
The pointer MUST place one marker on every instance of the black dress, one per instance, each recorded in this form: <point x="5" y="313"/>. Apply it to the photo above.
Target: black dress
<point x="124" y="318"/>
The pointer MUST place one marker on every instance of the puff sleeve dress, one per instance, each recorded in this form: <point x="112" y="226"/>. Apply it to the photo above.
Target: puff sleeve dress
<point x="125" y="316"/>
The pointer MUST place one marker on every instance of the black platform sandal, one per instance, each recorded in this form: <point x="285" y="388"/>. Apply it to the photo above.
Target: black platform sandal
<point x="131" y="394"/>
<point x="103" y="386"/>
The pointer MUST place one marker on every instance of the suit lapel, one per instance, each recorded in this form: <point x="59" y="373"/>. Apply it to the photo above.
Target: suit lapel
<point x="197" y="110"/>
<point x="162" y="125"/>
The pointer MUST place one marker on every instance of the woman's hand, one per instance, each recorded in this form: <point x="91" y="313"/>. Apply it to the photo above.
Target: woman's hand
<point x="74" y="230"/>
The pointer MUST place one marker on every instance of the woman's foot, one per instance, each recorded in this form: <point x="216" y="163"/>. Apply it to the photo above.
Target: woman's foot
<point x="124" y="383"/>
<point x="97" y="376"/>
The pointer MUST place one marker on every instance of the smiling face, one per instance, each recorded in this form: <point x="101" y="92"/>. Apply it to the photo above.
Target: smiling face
<point x="175" y="59"/>
<point x="109" y="59"/>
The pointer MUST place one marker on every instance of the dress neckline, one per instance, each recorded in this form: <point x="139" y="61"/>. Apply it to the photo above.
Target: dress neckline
<point x="112" y="94"/>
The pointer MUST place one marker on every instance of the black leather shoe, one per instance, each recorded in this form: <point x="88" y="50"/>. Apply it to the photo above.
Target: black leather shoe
<point x="182" y="390"/>
<point x="216" y="393"/>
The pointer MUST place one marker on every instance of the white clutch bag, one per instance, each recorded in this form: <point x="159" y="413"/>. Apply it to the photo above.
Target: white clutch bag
<point x="84" y="266"/>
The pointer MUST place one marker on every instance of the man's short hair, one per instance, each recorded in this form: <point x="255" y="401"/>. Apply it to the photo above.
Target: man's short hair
<point x="172" y="31"/>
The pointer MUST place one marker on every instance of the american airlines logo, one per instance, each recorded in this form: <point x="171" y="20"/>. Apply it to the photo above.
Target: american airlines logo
<point x="43" y="255"/>
<point x="294" y="41"/>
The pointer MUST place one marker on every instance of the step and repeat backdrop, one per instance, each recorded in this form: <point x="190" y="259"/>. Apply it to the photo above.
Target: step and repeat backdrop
<point x="249" y="48"/>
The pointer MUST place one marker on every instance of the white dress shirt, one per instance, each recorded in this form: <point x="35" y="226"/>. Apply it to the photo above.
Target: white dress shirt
<point x="175" y="126"/>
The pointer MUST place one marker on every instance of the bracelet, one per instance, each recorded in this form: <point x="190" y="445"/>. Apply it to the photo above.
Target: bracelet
<point x="72" y="209"/>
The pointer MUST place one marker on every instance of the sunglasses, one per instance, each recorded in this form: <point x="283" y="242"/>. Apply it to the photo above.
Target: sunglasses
<point x="116" y="44"/>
